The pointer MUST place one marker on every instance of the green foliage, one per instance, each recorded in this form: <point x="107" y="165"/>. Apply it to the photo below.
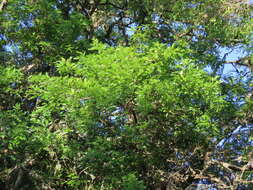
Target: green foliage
<point x="9" y="76"/>
<point x="86" y="102"/>
<point x="130" y="182"/>
<point x="47" y="31"/>
<point x="124" y="97"/>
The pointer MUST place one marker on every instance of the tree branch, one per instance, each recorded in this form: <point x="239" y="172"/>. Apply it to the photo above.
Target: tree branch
<point x="245" y="61"/>
<point x="3" y="5"/>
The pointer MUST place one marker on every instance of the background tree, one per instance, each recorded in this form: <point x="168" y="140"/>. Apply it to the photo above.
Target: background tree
<point x="133" y="109"/>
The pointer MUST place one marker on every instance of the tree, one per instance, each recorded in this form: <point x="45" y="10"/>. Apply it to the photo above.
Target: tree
<point x="88" y="103"/>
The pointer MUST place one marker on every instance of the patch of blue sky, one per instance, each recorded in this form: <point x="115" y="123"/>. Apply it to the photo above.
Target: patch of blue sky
<point x="232" y="55"/>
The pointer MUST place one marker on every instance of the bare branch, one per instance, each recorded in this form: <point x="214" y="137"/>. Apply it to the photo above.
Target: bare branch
<point x="245" y="61"/>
